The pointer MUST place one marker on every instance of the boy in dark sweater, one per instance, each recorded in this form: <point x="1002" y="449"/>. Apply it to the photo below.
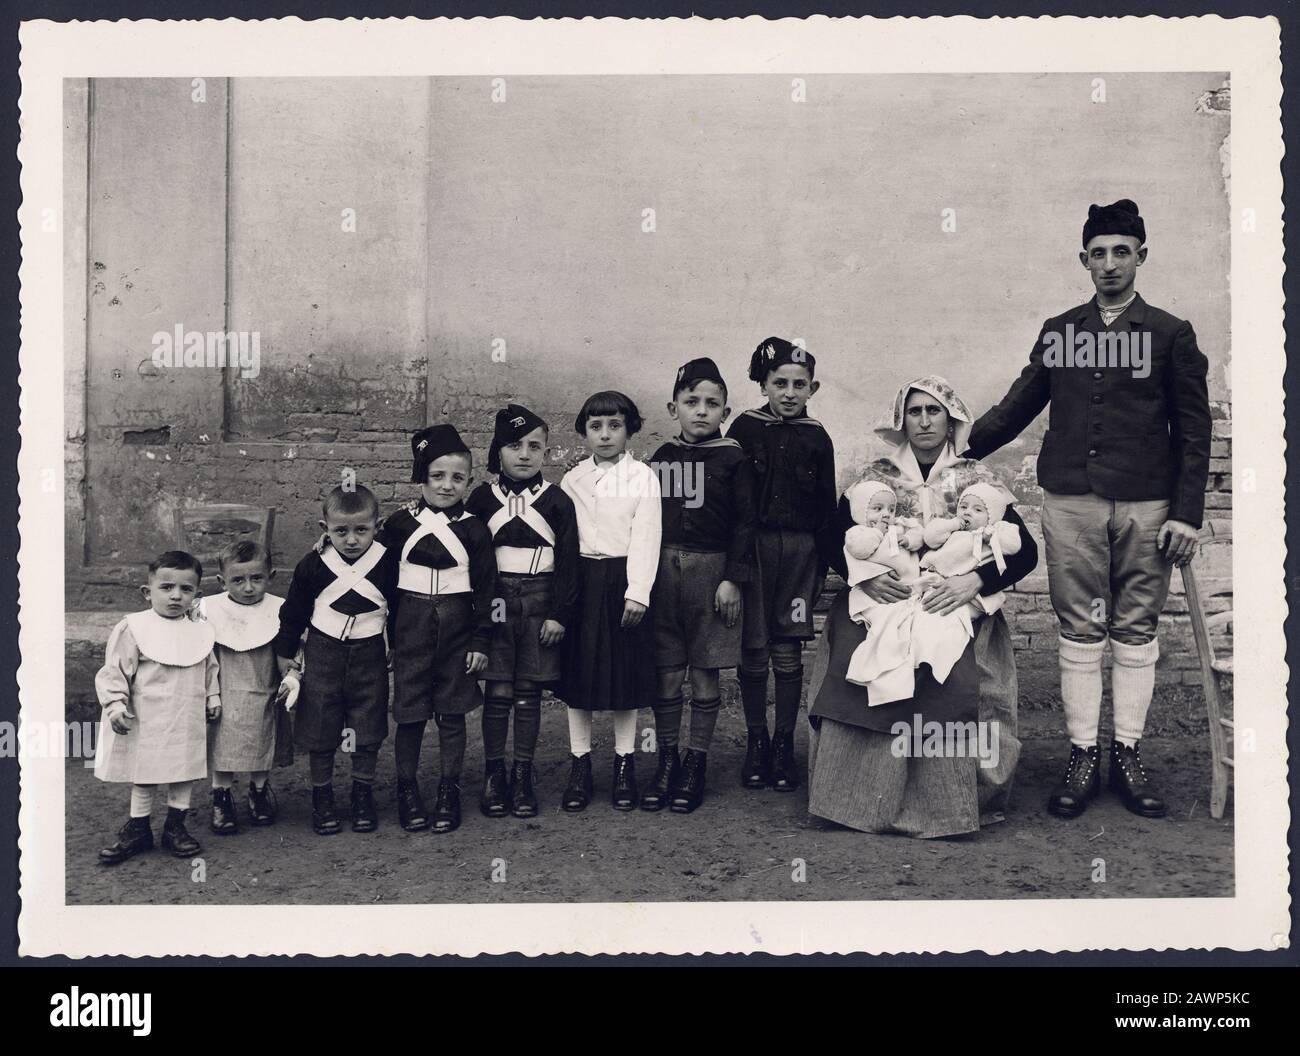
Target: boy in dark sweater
<point x="794" y="470"/>
<point x="707" y="484"/>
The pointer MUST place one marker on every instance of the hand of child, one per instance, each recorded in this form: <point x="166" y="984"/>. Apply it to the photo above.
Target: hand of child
<point x="551" y="634"/>
<point x="726" y="602"/>
<point x="475" y="662"/>
<point x="633" y="611"/>
<point x="214" y="711"/>
<point x="120" y="717"/>
<point x="287" y="694"/>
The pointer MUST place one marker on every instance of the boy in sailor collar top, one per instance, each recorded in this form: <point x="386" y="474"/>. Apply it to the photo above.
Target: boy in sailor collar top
<point x="339" y="596"/>
<point x="441" y="621"/>
<point x="707" y="481"/>
<point x="158" y="688"/>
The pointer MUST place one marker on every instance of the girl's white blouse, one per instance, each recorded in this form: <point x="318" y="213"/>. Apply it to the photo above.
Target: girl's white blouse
<point x="619" y="515"/>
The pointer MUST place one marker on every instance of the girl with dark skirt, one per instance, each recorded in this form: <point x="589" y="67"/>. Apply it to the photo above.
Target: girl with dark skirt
<point x="609" y="655"/>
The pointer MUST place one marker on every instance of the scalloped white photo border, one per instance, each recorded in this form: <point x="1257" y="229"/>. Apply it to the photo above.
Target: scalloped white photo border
<point x="1255" y="918"/>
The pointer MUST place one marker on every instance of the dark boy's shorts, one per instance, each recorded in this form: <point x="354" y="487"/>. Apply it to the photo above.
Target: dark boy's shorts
<point x="431" y="637"/>
<point x="778" y="601"/>
<point x="344" y="686"/>
<point x="516" y="651"/>
<point x="686" y="628"/>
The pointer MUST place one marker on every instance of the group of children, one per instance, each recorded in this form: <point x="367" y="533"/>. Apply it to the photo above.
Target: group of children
<point x="612" y="588"/>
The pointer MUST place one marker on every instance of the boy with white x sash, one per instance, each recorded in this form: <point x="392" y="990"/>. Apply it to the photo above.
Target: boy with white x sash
<point x="339" y="595"/>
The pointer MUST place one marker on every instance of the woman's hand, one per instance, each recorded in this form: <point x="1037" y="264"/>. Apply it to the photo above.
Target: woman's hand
<point x="952" y="594"/>
<point x="632" y="613"/>
<point x="885" y="588"/>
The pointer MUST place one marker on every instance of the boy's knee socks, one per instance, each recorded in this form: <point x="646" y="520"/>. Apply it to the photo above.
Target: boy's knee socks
<point x="406" y="749"/>
<point x="668" y="722"/>
<point x="451" y="745"/>
<point x="365" y="761"/>
<point x="704" y="717"/>
<point x="752" y="677"/>
<point x="787" y="670"/>
<point x="528" y="723"/>
<point x="322" y="768"/>
<point x="496" y="727"/>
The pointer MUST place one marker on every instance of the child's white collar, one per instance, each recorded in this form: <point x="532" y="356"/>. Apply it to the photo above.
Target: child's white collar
<point x="181" y="642"/>
<point x="242" y="627"/>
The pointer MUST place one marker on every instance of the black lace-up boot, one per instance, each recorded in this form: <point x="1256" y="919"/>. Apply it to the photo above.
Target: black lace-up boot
<point x="1127" y="777"/>
<point x="133" y="838"/>
<point x="785" y="773"/>
<point x="494" y="803"/>
<point x="523" y="800"/>
<point x="446" y="808"/>
<point x="623" y="795"/>
<point x="577" y="793"/>
<point x="175" y="837"/>
<point x="224" y="822"/>
<point x="262" y="806"/>
<point x="757" y="769"/>
<point x="364" y="816"/>
<point x="689" y="791"/>
<point x="1081" y="783"/>
<point x="411" y="814"/>
<point x="323" y="819"/>
<point x="657" y="795"/>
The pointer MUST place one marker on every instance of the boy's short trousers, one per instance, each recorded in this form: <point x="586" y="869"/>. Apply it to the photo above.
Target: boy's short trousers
<point x="778" y="600"/>
<point x="344" y="686"/>
<point x="516" y="651"/>
<point x="686" y="628"/>
<point x="431" y="637"/>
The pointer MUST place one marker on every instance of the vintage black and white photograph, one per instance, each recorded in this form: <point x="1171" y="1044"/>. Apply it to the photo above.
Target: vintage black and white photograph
<point x="560" y="488"/>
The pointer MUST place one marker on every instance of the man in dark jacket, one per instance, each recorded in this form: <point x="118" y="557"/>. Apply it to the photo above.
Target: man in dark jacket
<point x="1123" y="469"/>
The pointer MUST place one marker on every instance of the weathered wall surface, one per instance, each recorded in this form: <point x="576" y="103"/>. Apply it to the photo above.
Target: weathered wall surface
<point x="409" y="250"/>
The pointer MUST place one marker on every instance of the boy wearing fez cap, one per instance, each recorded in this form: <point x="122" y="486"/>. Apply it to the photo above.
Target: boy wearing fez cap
<point x="535" y="534"/>
<point x="440" y="622"/>
<point x="1123" y="470"/>
<point x="794" y="484"/>
<point x="707" y="483"/>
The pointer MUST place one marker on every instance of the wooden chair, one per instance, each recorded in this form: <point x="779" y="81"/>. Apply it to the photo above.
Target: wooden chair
<point x="1214" y="669"/>
<point x="205" y="531"/>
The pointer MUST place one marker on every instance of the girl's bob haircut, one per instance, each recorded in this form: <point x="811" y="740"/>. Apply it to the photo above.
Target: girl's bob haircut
<point x="604" y="404"/>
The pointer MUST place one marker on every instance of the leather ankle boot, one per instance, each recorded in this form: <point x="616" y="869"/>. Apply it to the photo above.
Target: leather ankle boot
<point x="262" y="806"/>
<point x="656" y="796"/>
<point x="224" y="822"/>
<point x="1081" y="783"/>
<point x="689" y="790"/>
<point x="623" y="794"/>
<point x="175" y="837"/>
<point x="364" y="816"/>
<point x="411" y="813"/>
<point x="757" y="769"/>
<point x="494" y="802"/>
<point x="785" y="773"/>
<point x="133" y="838"/>
<point x="446" y="808"/>
<point x="577" y="793"/>
<point x="323" y="819"/>
<point x="1127" y="777"/>
<point x="523" y="800"/>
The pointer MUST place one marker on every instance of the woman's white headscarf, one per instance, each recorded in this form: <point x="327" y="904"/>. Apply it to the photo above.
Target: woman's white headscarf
<point x="934" y="495"/>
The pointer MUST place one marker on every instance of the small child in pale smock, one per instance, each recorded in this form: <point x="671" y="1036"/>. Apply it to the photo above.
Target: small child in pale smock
<point x="245" y="620"/>
<point x="158" y="688"/>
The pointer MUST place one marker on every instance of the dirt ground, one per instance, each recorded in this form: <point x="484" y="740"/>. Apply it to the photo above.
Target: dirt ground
<point x="740" y="845"/>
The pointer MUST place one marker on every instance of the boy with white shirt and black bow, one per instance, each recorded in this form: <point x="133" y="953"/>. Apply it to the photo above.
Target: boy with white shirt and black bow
<point x="441" y="620"/>
<point x="535" y="536"/>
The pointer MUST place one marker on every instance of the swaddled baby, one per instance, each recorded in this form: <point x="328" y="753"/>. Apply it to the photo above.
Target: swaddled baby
<point x="977" y="535"/>
<point x="876" y="538"/>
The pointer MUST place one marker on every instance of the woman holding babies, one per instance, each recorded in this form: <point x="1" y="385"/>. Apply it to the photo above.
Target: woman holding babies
<point x="916" y="641"/>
